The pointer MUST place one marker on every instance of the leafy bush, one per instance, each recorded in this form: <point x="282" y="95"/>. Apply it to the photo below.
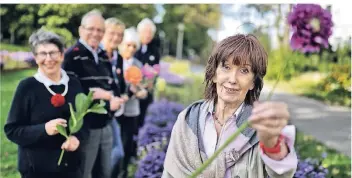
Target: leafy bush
<point x="296" y="64"/>
<point x="336" y="87"/>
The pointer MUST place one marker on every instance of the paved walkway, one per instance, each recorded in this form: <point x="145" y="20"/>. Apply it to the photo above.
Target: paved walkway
<point x="328" y="124"/>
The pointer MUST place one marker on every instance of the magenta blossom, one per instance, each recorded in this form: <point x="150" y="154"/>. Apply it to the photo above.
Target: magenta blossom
<point x="150" y="72"/>
<point x="312" y="27"/>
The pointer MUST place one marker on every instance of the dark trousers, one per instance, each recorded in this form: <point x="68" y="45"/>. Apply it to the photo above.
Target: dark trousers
<point x="98" y="153"/>
<point x="75" y="174"/>
<point x="143" y="105"/>
<point x="129" y="125"/>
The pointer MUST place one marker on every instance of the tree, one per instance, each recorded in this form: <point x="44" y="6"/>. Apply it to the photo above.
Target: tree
<point x="197" y="19"/>
<point x="19" y="21"/>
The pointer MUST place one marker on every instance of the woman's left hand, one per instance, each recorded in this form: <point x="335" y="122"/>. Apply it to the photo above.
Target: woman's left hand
<point x="71" y="144"/>
<point x="269" y="118"/>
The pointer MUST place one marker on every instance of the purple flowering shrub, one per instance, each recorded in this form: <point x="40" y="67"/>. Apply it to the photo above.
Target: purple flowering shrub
<point x="170" y="78"/>
<point x="159" y="121"/>
<point x="151" y="133"/>
<point x="153" y="137"/>
<point x="310" y="168"/>
<point x="17" y="59"/>
<point x="311" y="26"/>
<point x="151" y="166"/>
<point x="162" y="112"/>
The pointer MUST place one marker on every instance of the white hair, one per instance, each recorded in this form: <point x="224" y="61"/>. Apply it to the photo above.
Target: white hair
<point x="146" y="21"/>
<point x="114" y="21"/>
<point x="94" y="12"/>
<point x="131" y="35"/>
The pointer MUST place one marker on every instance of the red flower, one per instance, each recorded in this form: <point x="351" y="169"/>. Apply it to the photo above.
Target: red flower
<point x="57" y="100"/>
<point x="75" y="49"/>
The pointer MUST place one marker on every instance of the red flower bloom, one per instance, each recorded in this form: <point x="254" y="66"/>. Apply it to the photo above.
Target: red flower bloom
<point x="75" y="49"/>
<point x="57" y="100"/>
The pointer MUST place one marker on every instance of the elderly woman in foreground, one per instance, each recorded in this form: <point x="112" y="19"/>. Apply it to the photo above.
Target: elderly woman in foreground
<point x="234" y="80"/>
<point x="35" y="113"/>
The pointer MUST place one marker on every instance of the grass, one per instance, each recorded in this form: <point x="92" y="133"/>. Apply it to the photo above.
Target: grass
<point x="8" y="158"/>
<point x="13" y="48"/>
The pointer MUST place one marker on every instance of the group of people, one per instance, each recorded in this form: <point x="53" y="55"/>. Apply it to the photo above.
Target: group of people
<point x="97" y="63"/>
<point x="104" y="146"/>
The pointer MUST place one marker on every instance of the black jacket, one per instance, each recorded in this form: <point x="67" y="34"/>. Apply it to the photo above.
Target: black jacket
<point x="31" y="108"/>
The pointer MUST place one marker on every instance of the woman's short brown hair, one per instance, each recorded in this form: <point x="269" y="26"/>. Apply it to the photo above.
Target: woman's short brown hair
<point x="242" y="49"/>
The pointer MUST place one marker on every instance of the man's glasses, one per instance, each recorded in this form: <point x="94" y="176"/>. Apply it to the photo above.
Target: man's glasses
<point x="92" y="29"/>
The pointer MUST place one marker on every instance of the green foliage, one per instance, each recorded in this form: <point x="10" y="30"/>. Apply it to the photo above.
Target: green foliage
<point x="186" y="94"/>
<point x="13" y="48"/>
<point x="296" y="64"/>
<point x="197" y="18"/>
<point x="336" y="87"/>
<point x="20" y="20"/>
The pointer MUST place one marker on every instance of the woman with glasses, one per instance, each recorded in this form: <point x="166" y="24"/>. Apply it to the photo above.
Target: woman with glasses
<point x="40" y="103"/>
<point x="128" y="122"/>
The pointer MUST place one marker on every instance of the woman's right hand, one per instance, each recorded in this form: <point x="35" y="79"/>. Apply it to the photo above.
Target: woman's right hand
<point x="50" y="127"/>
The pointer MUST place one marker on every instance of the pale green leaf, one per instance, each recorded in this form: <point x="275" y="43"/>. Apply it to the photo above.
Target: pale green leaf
<point x="62" y="130"/>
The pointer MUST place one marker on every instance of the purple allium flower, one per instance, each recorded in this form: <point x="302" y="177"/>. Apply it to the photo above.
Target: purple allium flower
<point x="312" y="27"/>
<point x="151" y="166"/>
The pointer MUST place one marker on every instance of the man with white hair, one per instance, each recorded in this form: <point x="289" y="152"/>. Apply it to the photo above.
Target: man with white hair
<point x="90" y="64"/>
<point x="149" y="54"/>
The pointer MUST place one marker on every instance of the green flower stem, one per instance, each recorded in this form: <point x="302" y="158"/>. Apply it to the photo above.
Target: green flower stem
<point x="61" y="155"/>
<point x="227" y="142"/>
<point x="233" y="136"/>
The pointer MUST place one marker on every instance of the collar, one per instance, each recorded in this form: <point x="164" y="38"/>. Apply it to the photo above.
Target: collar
<point x="42" y="78"/>
<point x="129" y="61"/>
<point x="144" y="48"/>
<point x="90" y="48"/>
<point x="211" y="109"/>
<point x="115" y="52"/>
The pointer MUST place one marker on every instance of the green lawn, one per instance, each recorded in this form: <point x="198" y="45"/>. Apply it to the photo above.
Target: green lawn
<point x="9" y="81"/>
<point x="14" y="48"/>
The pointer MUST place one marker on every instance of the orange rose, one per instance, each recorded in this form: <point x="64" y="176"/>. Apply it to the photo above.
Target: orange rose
<point x="133" y="75"/>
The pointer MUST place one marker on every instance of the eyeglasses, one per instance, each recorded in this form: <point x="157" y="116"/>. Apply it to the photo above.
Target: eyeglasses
<point x="92" y="29"/>
<point x="53" y="54"/>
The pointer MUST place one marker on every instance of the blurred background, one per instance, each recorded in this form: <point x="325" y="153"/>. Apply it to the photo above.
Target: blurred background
<point x="315" y="81"/>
